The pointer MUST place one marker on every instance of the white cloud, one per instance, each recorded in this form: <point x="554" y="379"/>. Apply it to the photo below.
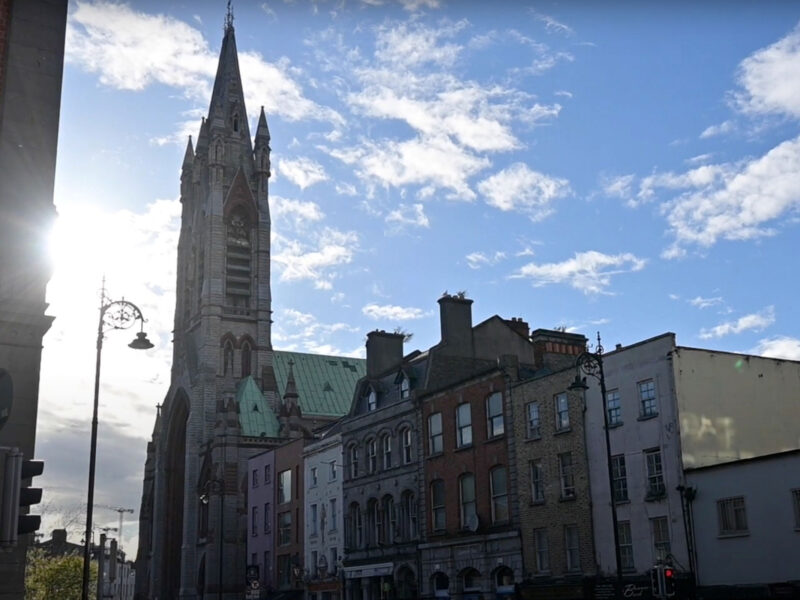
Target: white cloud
<point x="317" y="261"/>
<point x="589" y="272"/>
<point x="303" y="172"/>
<point x="700" y="159"/>
<point x="619" y="186"/>
<point x="418" y="161"/>
<point x="784" y="347"/>
<point x="714" y="130"/>
<point x="297" y="210"/>
<point x="700" y="302"/>
<point x="131" y="50"/>
<point x="552" y="25"/>
<point x="415" y="5"/>
<point x="771" y="79"/>
<point x="409" y="45"/>
<point x="345" y="189"/>
<point x="737" y="202"/>
<point x="299" y="331"/>
<point x="522" y="189"/>
<point x="755" y="321"/>
<point x="476" y="260"/>
<point x="295" y="317"/>
<point x="413" y="214"/>
<point x="391" y="312"/>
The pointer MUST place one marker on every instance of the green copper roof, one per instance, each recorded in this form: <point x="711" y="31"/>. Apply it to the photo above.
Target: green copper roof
<point x="325" y="384"/>
<point x="255" y="416"/>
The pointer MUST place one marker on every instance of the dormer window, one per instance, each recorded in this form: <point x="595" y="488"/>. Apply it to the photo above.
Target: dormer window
<point x="372" y="400"/>
<point x="405" y="387"/>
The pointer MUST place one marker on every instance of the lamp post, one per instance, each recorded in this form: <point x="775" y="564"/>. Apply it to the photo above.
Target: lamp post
<point x="114" y="314"/>
<point x="591" y="363"/>
<point x="210" y="485"/>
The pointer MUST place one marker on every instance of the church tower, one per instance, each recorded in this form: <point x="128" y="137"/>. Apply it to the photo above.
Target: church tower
<point x="193" y="506"/>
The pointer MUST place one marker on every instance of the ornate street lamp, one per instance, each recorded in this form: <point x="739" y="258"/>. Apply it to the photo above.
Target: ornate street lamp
<point x="114" y="314"/>
<point x="591" y="364"/>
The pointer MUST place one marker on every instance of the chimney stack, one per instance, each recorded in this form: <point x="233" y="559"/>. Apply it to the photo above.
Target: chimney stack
<point x="519" y="325"/>
<point x="456" y="320"/>
<point x="556" y="349"/>
<point x="384" y="351"/>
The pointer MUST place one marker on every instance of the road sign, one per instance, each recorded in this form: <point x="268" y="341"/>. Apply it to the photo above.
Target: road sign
<point x="255" y="585"/>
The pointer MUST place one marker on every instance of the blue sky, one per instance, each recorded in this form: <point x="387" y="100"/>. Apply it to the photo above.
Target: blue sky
<point x="628" y="167"/>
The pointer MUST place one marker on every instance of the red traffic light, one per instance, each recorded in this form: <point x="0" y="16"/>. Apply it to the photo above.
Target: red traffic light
<point x="669" y="573"/>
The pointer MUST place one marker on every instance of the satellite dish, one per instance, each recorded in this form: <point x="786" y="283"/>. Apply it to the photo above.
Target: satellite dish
<point x="473" y="522"/>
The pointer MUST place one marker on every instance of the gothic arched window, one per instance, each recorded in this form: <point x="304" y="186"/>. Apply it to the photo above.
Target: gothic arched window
<point x="236" y="122"/>
<point x="227" y="358"/>
<point x="247" y="354"/>
<point x="238" y="261"/>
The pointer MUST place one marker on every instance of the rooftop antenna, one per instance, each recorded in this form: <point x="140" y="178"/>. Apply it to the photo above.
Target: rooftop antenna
<point x="229" y="17"/>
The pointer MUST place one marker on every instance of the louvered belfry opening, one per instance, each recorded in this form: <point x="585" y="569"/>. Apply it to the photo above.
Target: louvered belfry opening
<point x="238" y="261"/>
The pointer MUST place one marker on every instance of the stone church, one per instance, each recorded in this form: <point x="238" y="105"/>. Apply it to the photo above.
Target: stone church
<point x="228" y="396"/>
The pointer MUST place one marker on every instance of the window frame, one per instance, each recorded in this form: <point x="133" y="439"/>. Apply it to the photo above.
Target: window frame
<point x="566" y="476"/>
<point x="541" y="550"/>
<point x="495" y="421"/>
<point x="405" y="387"/>
<point x="372" y="400"/>
<point x="732" y="516"/>
<point x="572" y="554"/>
<point x="466" y="507"/>
<point x="438" y="509"/>
<point x="386" y="443"/>
<point x="285" y="528"/>
<point x="254" y="521"/>
<point x="537" y="480"/>
<point x="372" y="456"/>
<point x="353" y="461"/>
<point x="614" y="408"/>
<point x="313" y="518"/>
<point x="561" y="411"/>
<point x="619" y="476"/>
<point x="462" y="427"/>
<point x="648" y="405"/>
<point x="435" y="437"/>
<point x="533" y="422"/>
<point x="498" y="498"/>
<point x="314" y="477"/>
<point x="332" y="526"/>
<point x="661" y="545"/>
<point x="625" y="538"/>
<point x="408" y="455"/>
<point x="284" y="490"/>
<point x="654" y="468"/>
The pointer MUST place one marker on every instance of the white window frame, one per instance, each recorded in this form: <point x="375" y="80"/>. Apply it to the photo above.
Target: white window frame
<point x="566" y="475"/>
<point x="542" y="550"/>
<point x="284" y="487"/>
<point x="372" y="456"/>
<point x="625" y="545"/>
<point x="619" y="475"/>
<point x="435" y="439"/>
<point x="438" y="509"/>
<point x="407" y="449"/>
<point x="656" y="485"/>
<point x="332" y="503"/>
<point x="467" y="507"/>
<point x="561" y="406"/>
<point x="313" y="482"/>
<point x="313" y="518"/>
<point x="572" y="548"/>
<point x="614" y="408"/>
<point x="648" y="398"/>
<point x="463" y="425"/>
<point x="405" y="388"/>
<point x="499" y="496"/>
<point x="386" y="442"/>
<point x="353" y="461"/>
<point x="533" y="423"/>
<point x="659" y="531"/>
<point x="372" y="400"/>
<point x="495" y="421"/>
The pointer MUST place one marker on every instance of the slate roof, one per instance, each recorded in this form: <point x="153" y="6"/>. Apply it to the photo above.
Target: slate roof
<point x="325" y="384"/>
<point x="255" y="416"/>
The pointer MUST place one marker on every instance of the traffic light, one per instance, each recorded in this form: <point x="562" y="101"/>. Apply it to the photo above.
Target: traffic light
<point x="16" y="496"/>
<point x="656" y="581"/>
<point x="669" y="582"/>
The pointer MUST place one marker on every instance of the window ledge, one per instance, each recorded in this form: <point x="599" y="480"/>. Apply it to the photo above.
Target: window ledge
<point x="615" y="424"/>
<point x="571" y="498"/>
<point x="435" y="455"/>
<point x="733" y="534"/>
<point x="533" y="438"/>
<point x="625" y="501"/>
<point x="494" y="438"/>
<point x="655" y="497"/>
<point x="560" y="431"/>
<point x="646" y="417"/>
<point x="464" y="447"/>
<point x="536" y="502"/>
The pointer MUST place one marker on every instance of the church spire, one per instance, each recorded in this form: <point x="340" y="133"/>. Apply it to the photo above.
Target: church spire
<point x="229" y="18"/>
<point x="188" y="158"/>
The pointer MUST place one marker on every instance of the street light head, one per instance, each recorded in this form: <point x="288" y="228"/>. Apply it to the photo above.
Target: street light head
<point x="578" y="384"/>
<point x="141" y="342"/>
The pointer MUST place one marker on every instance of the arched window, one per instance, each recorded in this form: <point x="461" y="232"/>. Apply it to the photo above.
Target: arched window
<point x="408" y="515"/>
<point x="227" y="358"/>
<point x="386" y="444"/>
<point x="499" y="491"/>
<point x="236" y="122"/>
<point x="406" y="584"/>
<point x="374" y="522"/>
<point x="354" y="528"/>
<point x="504" y="581"/>
<point x="218" y="152"/>
<point x="405" y="436"/>
<point x="466" y="490"/>
<point x="372" y="455"/>
<point x="389" y="519"/>
<point x="353" y="459"/>
<point x="441" y="585"/>
<point x="247" y="356"/>
<point x="470" y="580"/>
<point x="238" y="261"/>
<point x="405" y="387"/>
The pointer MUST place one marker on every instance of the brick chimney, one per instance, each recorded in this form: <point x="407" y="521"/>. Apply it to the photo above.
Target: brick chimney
<point x="59" y="537"/>
<point x="456" y="319"/>
<point x="556" y="349"/>
<point x="384" y="351"/>
<point x="518" y="325"/>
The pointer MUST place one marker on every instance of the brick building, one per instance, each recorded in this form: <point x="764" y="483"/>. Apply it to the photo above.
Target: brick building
<point x="552" y="470"/>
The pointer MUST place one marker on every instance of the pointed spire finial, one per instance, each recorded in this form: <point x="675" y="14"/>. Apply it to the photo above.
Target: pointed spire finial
<point x="229" y="18"/>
